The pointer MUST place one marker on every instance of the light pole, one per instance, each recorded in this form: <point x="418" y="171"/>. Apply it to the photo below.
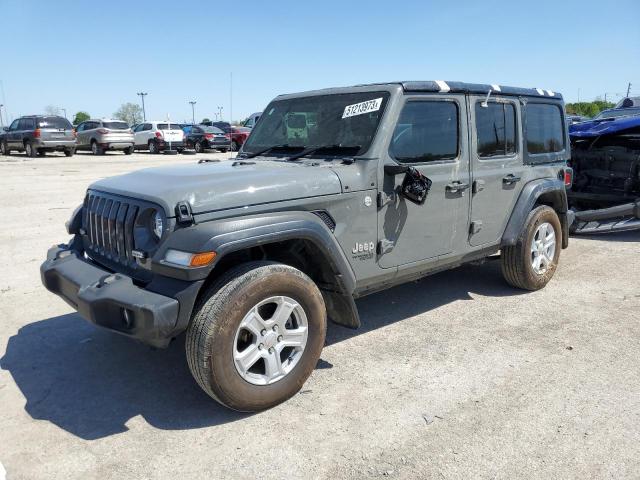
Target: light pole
<point x="1" y="122"/>
<point x="220" y="113"/>
<point x="193" y="111"/>
<point x="64" y="111"/>
<point x="144" y="113"/>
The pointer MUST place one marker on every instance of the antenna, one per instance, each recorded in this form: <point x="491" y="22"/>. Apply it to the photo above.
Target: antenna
<point x="485" y="104"/>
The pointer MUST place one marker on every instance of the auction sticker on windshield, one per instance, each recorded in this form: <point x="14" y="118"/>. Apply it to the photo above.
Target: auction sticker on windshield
<point x="362" y="108"/>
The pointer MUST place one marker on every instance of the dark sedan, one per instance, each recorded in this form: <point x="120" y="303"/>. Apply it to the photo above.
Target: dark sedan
<point x="201" y="138"/>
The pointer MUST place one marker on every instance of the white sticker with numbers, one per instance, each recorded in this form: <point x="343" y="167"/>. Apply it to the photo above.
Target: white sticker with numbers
<point x="362" y="108"/>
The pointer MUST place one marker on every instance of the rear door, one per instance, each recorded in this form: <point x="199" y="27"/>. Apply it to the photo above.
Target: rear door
<point x="496" y="165"/>
<point x="430" y="135"/>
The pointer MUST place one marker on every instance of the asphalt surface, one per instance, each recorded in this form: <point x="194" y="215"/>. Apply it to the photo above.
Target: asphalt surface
<point x="455" y="376"/>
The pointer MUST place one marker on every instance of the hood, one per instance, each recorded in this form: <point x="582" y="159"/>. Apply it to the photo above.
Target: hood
<point x="222" y="185"/>
<point x="603" y="126"/>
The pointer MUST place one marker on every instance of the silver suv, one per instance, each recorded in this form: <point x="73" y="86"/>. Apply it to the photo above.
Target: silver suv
<point x="102" y="135"/>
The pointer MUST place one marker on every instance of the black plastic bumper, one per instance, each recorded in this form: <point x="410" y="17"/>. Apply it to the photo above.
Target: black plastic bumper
<point x="110" y="300"/>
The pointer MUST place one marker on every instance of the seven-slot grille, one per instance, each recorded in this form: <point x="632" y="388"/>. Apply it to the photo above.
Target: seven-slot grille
<point x="108" y="222"/>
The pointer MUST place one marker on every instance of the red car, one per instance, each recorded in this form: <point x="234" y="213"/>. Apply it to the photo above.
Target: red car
<point x="239" y="135"/>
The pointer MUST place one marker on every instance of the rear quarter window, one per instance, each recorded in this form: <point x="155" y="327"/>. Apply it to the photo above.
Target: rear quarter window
<point x="545" y="129"/>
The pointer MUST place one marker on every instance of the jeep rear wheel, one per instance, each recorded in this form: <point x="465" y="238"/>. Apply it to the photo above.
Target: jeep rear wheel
<point x="256" y="335"/>
<point x="532" y="261"/>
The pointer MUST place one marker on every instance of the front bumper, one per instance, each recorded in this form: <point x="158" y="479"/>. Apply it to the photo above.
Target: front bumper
<point x="110" y="300"/>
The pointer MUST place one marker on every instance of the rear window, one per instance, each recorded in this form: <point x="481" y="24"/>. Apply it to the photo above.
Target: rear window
<point x="225" y="127"/>
<point x="545" y="131"/>
<point x="54" y="122"/>
<point x="212" y="130"/>
<point x="165" y="126"/>
<point x="116" y="125"/>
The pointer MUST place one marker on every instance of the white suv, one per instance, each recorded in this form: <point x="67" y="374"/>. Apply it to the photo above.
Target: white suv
<point x="157" y="136"/>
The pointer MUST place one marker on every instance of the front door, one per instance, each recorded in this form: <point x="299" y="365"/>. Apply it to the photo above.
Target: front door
<point x="430" y="135"/>
<point x="497" y="166"/>
<point x="13" y="136"/>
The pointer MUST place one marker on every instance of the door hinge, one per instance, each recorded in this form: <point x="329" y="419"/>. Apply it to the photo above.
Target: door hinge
<point x="478" y="186"/>
<point x="385" y="246"/>
<point x="475" y="227"/>
<point x="385" y="198"/>
<point x="183" y="213"/>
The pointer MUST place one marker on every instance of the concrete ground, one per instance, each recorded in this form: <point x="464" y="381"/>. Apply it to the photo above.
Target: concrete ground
<point x="455" y="376"/>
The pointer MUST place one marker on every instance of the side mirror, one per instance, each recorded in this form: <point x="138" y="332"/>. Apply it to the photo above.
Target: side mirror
<point x="394" y="169"/>
<point x="415" y="186"/>
<point x="6" y="129"/>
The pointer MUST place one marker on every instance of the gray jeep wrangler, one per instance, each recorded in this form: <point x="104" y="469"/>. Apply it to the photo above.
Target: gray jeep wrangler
<point x="336" y="194"/>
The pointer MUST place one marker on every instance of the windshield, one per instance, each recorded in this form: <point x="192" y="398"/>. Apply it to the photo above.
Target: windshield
<point x="618" y="113"/>
<point x="54" y="122"/>
<point x="338" y="119"/>
<point x="116" y="125"/>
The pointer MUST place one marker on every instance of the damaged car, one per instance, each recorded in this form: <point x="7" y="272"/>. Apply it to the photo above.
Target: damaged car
<point x="605" y="157"/>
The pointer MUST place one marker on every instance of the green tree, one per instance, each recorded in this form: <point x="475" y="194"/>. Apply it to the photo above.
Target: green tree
<point x="205" y="120"/>
<point x="81" y="117"/>
<point x="588" y="109"/>
<point x="129" y="112"/>
<point x="52" y="110"/>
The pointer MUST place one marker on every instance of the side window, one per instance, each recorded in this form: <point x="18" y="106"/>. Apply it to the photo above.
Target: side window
<point x="196" y="130"/>
<point x="146" y="127"/>
<point x="426" y="131"/>
<point x="544" y="132"/>
<point x="496" y="129"/>
<point x="80" y="127"/>
<point x="14" y="125"/>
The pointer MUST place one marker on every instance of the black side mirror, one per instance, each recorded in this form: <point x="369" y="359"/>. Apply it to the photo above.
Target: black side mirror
<point x="415" y="186"/>
<point x="394" y="169"/>
<point x="6" y="129"/>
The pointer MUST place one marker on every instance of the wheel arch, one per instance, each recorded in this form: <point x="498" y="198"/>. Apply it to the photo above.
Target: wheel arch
<point x="298" y="239"/>
<point x="544" y="191"/>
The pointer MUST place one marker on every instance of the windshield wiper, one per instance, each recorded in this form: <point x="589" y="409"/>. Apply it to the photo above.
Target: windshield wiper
<point x="312" y="150"/>
<point x="286" y="146"/>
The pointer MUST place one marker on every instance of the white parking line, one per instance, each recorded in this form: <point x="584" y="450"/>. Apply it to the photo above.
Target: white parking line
<point x="3" y="472"/>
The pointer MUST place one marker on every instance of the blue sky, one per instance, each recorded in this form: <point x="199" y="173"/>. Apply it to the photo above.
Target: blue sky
<point x="94" y="56"/>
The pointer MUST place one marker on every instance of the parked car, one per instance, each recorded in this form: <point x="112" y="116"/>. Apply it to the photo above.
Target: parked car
<point x="239" y="135"/>
<point x="38" y="134"/>
<point x="250" y="257"/>
<point x="102" y="135"/>
<point x="156" y="136"/>
<point x="201" y="138"/>
<point x="618" y="112"/>
<point x="251" y="121"/>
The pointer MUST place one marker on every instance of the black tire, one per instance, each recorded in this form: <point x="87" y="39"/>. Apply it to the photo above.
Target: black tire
<point x="4" y="149"/>
<point x="198" y="147"/>
<point x="69" y="152"/>
<point x="30" y="150"/>
<point x="153" y="147"/>
<point x="215" y="321"/>
<point x="96" y="149"/>
<point x="41" y="153"/>
<point x="224" y="150"/>
<point x="516" y="260"/>
<point x="234" y="146"/>
<point x="128" y="150"/>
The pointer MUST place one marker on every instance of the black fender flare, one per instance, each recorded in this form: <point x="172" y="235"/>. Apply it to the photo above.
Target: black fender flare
<point x="230" y="235"/>
<point x="551" y="188"/>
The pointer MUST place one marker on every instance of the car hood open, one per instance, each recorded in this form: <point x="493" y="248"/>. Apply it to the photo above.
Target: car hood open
<point x="213" y="186"/>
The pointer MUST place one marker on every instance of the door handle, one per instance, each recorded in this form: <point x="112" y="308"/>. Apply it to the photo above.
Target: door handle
<point x="455" y="187"/>
<point x="510" y="179"/>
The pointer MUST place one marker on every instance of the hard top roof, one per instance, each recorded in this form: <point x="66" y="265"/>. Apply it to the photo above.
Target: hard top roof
<point x="441" y="86"/>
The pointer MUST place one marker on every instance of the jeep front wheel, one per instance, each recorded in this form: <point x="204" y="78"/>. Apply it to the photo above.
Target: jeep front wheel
<point x="532" y="261"/>
<point x="256" y="335"/>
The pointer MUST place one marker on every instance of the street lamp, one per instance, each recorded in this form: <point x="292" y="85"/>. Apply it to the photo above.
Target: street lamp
<point x="193" y="111"/>
<point x="1" y="122"/>
<point x="65" y="112"/>
<point x="220" y="113"/>
<point x="144" y="114"/>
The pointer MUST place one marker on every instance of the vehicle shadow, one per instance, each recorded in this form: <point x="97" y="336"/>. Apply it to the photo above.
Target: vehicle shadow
<point x="91" y="382"/>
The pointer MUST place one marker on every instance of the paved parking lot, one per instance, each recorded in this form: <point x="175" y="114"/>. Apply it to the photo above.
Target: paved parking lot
<point x="455" y="376"/>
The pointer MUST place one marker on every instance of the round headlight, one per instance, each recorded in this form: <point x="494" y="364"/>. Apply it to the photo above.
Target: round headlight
<point x="157" y="225"/>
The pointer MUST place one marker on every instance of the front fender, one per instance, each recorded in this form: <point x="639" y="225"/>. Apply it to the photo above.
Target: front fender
<point x="230" y="235"/>
<point x="544" y="190"/>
